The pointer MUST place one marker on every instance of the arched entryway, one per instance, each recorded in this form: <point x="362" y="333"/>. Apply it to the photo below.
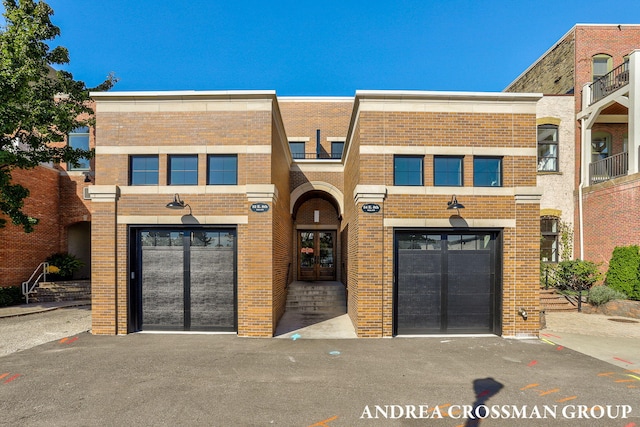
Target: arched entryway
<point x="317" y="214"/>
<point x="317" y="293"/>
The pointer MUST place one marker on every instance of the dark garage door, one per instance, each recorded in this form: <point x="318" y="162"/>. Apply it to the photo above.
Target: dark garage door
<point x="186" y="280"/>
<point x="446" y="282"/>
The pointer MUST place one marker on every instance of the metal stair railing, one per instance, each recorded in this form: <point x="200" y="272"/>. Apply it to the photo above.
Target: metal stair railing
<point x="28" y="287"/>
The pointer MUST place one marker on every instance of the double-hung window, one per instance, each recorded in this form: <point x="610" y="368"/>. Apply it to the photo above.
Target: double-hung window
<point x="79" y="139"/>
<point x="408" y="170"/>
<point x="487" y="171"/>
<point x="447" y="171"/>
<point x="183" y="170"/>
<point x="143" y="170"/>
<point x="601" y="65"/>
<point x="222" y="169"/>
<point x="547" y="148"/>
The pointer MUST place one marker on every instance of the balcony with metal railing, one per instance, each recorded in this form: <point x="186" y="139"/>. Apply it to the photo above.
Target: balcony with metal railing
<point x="608" y="168"/>
<point x="610" y="82"/>
<point x="316" y="156"/>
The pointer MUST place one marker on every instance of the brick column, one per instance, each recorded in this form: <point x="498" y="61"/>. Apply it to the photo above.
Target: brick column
<point x="371" y="312"/>
<point x="104" y="293"/>
<point x="527" y="266"/>
<point x="255" y="258"/>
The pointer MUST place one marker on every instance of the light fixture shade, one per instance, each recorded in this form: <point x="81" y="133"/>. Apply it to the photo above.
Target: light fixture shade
<point x="176" y="204"/>
<point x="454" y="204"/>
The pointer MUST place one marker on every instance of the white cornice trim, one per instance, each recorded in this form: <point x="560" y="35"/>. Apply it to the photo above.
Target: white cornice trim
<point x="183" y="94"/>
<point x="315" y="99"/>
<point x="394" y="95"/>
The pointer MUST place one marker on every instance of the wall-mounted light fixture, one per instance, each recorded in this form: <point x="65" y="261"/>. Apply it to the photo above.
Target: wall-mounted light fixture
<point x="454" y="204"/>
<point x="522" y="312"/>
<point x="178" y="204"/>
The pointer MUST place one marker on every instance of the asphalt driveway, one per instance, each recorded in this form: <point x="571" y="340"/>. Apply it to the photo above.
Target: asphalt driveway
<point x="223" y="380"/>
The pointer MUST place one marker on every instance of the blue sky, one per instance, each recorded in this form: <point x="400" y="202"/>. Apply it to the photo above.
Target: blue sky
<point x="318" y="48"/>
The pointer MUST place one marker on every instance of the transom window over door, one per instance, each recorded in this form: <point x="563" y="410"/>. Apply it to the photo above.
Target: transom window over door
<point x="547" y="148"/>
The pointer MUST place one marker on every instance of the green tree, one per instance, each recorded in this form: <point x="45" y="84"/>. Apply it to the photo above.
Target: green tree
<point x="39" y="106"/>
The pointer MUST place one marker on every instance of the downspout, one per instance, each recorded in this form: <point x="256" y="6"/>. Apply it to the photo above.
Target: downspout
<point x="318" y="146"/>
<point x="581" y="228"/>
<point x="586" y="98"/>
<point x="583" y="135"/>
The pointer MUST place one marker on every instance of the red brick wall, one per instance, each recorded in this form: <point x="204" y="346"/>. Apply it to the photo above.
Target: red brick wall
<point x="21" y="253"/>
<point x="610" y="218"/>
<point x="601" y="39"/>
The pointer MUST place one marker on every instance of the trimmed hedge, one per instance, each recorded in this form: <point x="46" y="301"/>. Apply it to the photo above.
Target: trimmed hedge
<point x="11" y="295"/>
<point x="624" y="271"/>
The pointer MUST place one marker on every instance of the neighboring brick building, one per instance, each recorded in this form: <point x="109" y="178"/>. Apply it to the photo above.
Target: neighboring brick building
<point x="600" y="67"/>
<point x="348" y="189"/>
<point x="58" y="200"/>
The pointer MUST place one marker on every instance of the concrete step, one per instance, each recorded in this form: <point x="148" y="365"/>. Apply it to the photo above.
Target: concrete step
<point x="331" y="305"/>
<point x="551" y="301"/>
<point x="62" y="291"/>
<point x="316" y="288"/>
<point x="328" y="311"/>
<point x="316" y="297"/>
<point x="320" y="298"/>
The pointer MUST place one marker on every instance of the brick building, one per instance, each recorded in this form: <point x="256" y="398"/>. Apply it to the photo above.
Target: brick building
<point x="599" y="67"/>
<point x="275" y="190"/>
<point x="356" y="190"/>
<point x="59" y="200"/>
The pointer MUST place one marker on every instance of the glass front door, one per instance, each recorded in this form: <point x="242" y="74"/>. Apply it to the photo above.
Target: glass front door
<point x="316" y="256"/>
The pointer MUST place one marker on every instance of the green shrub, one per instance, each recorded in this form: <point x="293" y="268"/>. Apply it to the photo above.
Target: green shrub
<point x="624" y="271"/>
<point x="11" y="295"/>
<point x="578" y="275"/>
<point x="599" y="295"/>
<point x="66" y="263"/>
